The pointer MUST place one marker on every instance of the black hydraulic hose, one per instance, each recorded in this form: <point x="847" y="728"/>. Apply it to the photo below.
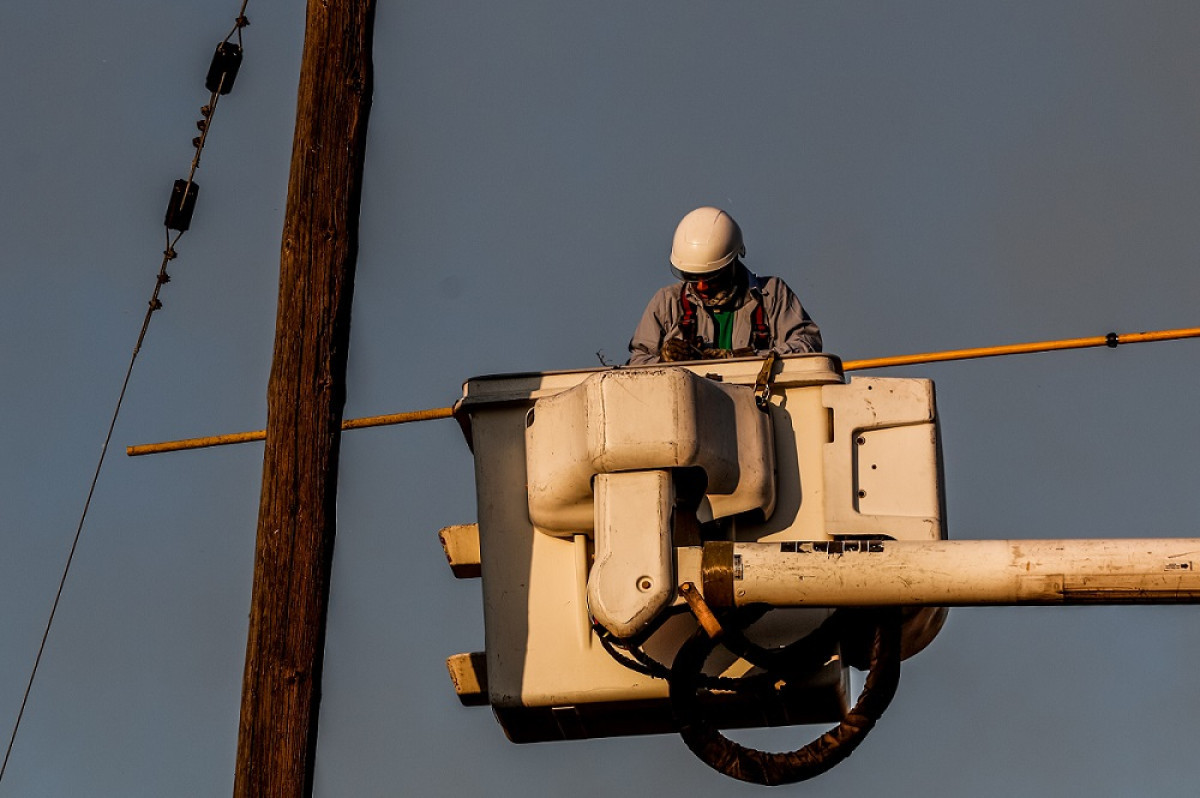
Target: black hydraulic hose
<point x="630" y="652"/>
<point x="803" y="657"/>
<point x="762" y="767"/>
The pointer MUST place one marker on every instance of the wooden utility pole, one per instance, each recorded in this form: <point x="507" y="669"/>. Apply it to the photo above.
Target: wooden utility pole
<point x="281" y="691"/>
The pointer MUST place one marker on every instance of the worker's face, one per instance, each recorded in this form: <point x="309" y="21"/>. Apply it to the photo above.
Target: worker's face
<point x="710" y="285"/>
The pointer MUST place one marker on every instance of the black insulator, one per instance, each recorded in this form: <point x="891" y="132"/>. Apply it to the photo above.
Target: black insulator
<point x="201" y="124"/>
<point x="183" y="202"/>
<point x="205" y="111"/>
<point x="224" y="67"/>
<point x="1112" y="340"/>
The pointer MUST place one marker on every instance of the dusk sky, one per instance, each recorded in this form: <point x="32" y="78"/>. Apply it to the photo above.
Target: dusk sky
<point x="925" y="175"/>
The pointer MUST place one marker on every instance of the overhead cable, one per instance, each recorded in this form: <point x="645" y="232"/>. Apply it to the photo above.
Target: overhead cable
<point x="219" y="81"/>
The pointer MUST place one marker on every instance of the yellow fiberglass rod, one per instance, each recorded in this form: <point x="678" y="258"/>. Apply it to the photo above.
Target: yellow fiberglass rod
<point x="1110" y="340"/>
<point x="258" y="435"/>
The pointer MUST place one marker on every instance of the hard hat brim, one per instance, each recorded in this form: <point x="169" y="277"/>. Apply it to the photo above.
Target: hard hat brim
<point x="706" y="272"/>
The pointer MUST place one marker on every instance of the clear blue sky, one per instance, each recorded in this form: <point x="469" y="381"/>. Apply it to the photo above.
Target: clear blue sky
<point x="926" y="175"/>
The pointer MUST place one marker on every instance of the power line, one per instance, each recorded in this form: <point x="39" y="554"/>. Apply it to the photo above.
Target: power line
<point x="219" y="81"/>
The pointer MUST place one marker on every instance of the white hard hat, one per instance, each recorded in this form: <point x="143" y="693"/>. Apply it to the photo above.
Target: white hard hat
<point x="706" y="240"/>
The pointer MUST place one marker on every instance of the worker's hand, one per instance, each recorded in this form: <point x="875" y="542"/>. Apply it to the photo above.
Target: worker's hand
<point x="676" y="349"/>
<point x="715" y="354"/>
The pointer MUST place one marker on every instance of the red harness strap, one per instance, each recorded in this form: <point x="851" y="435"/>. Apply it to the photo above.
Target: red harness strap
<point x="687" y="322"/>
<point x="760" y="337"/>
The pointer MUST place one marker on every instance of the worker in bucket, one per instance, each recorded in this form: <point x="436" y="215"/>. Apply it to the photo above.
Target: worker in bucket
<point x="719" y="308"/>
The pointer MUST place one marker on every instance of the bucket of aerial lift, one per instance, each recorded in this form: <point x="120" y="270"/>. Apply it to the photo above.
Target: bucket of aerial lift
<point x="596" y="490"/>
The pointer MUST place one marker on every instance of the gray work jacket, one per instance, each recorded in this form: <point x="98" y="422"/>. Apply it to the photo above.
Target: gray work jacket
<point x="791" y="329"/>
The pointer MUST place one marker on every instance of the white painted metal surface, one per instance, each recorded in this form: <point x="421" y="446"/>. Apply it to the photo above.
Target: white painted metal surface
<point x="541" y="488"/>
<point x="646" y="418"/>
<point x="889" y="485"/>
<point x="598" y="459"/>
<point x="968" y="572"/>
<point x="633" y="578"/>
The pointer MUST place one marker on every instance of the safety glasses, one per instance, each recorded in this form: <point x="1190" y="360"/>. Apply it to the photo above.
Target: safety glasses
<point x="710" y="283"/>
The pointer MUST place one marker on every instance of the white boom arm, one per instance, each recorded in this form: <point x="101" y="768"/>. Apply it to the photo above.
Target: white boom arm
<point x="953" y="573"/>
